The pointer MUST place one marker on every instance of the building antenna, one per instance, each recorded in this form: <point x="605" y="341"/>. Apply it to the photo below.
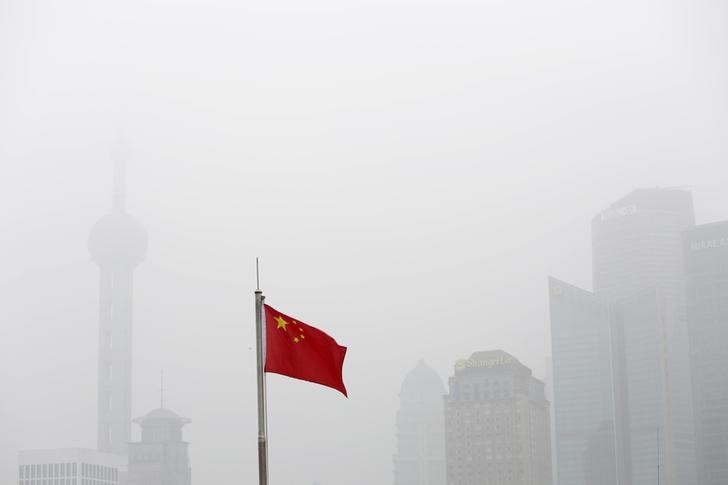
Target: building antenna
<point x="161" y="390"/>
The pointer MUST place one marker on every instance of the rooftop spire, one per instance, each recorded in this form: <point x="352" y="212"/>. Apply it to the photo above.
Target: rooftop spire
<point x="161" y="390"/>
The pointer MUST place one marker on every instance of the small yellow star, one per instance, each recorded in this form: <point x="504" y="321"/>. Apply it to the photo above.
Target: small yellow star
<point x="303" y="336"/>
<point x="281" y="322"/>
<point x="296" y="340"/>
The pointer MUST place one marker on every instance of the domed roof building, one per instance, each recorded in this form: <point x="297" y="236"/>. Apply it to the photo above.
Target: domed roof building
<point x="420" y="457"/>
<point x="162" y="456"/>
<point x="422" y="382"/>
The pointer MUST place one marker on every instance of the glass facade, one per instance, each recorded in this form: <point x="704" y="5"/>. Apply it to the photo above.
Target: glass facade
<point x="639" y="357"/>
<point x="583" y="395"/>
<point x="706" y="256"/>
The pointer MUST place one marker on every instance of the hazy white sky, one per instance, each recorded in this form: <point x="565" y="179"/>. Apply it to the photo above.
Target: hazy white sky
<point x="409" y="172"/>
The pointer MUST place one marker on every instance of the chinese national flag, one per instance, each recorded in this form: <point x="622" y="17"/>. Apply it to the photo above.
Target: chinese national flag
<point x="298" y="350"/>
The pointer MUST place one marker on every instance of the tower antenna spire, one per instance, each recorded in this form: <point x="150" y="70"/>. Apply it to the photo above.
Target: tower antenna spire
<point x="120" y="153"/>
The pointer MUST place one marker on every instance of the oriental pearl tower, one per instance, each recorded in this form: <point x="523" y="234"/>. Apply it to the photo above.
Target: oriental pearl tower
<point x="117" y="243"/>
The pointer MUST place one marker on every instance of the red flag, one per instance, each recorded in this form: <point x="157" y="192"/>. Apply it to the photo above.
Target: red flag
<point x="298" y="350"/>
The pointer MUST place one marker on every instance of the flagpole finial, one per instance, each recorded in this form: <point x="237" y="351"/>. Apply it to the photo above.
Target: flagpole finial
<point x="257" y="275"/>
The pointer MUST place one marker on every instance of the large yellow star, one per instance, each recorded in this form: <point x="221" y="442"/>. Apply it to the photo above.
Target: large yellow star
<point x="281" y="323"/>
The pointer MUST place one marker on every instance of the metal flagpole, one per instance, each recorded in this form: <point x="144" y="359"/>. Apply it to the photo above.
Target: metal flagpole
<point x="658" y="455"/>
<point x="262" y="406"/>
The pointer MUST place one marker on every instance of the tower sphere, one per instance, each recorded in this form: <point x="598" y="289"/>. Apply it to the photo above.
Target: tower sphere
<point x="118" y="239"/>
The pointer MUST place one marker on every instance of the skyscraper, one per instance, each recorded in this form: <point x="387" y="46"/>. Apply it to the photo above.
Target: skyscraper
<point x="161" y="457"/>
<point x="582" y="380"/>
<point x="117" y="243"/>
<point x="637" y="243"/>
<point x="420" y="458"/>
<point x="706" y="256"/>
<point x="496" y="423"/>
<point x="637" y="247"/>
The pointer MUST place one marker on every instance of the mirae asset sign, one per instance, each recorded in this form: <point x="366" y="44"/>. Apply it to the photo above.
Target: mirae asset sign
<point x="709" y="244"/>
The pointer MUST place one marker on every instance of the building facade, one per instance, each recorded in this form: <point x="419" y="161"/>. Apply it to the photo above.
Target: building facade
<point x="117" y="244"/>
<point x="70" y="466"/>
<point x="706" y="256"/>
<point x="420" y="457"/>
<point x="637" y="248"/>
<point x="582" y="386"/>
<point x="640" y="393"/>
<point x="162" y="456"/>
<point x="497" y="423"/>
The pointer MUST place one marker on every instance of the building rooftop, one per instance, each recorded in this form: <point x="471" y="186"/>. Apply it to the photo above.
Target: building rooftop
<point x="161" y="414"/>
<point x="422" y="378"/>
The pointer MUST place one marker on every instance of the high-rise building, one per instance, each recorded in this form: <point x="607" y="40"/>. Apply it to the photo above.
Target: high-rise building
<point x="117" y="243"/>
<point x="420" y="458"/>
<point x="70" y="466"/>
<point x="161" y="457"/>
<point x="706" y="256"/>
<point x="639" y="306"/>
<point x="637" y="246"/>
<point x="582" y="387"/>
<point x="496" y="423"/>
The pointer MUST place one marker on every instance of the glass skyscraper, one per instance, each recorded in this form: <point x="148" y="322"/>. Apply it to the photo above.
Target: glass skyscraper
<point x="634" y="323"/>
<point x="706" y="256"/>
<point x="637" y="248"/>
<point x="582" y="377"/>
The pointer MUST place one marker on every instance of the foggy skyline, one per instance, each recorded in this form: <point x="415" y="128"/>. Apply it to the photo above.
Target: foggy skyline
<point x="409" y="174"/>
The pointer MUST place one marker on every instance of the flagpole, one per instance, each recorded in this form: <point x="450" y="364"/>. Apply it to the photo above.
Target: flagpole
<point x="262" y="406"/>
